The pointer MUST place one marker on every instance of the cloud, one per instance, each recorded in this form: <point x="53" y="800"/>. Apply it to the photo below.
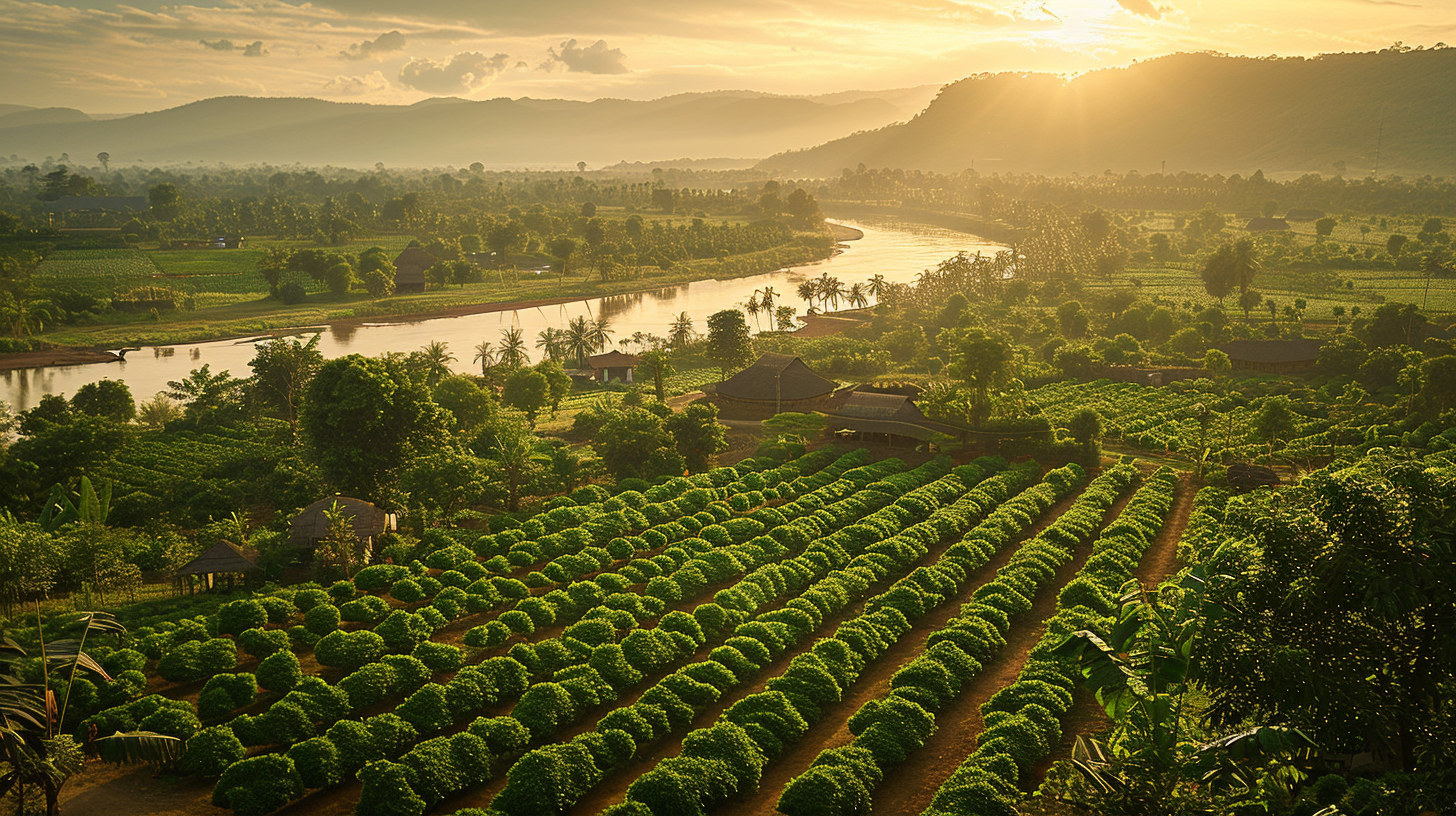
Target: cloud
<point x="252" y="49"/>
<point x="1144" y="8"/>
<point x="596" y="58"/>
<point x="370" y="83"/>
<point x="465" y="71"/>
<point x="383" y="44"/>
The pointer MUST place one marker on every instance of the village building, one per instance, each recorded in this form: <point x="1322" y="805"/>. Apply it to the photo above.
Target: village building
<point x="222" y="563"/>
<point x="892" y="417"/>
<point x="312" y="525"/>
<point x="1273" y="356"/>
<point x="774" y="384"/>
<point x="612" y="366"/>
<point x="1267" y="225"/>
<point x="409" y="269"/>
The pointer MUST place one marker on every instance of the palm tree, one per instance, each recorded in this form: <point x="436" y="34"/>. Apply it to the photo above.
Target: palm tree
<point x="436" y="359"/>
<point x="578" y="340"/>
<point x="601" y="333"/>
<point x="752" y="308"/>
<point x="767" y="297"/>
<point x="856" y="296"/>
<point x="485" y="355"/>
<point x="830" y="290"/>
<point x="808" y="292"/>
<point x="877" y="287"/>
<point x="551" y="341"/>
<point x="514" y="450"/>
<point x="680" y="333"/>
<point x="658" y="362"/>
<point x="512" y="351"/>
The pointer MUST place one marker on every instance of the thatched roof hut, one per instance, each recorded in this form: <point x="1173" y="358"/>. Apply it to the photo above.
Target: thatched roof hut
<point x="409" y="269"/>
<point x="776" y="377"/>
<point x="889" y="414"/>
<point x="222" y="557"/>
<point x="312" y="526"/>
<point x="1273" y="356"/>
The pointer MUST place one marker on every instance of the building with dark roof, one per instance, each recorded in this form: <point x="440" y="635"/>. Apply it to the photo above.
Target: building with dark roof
<point x="1267" y="225"/>
<point x="312" y="525"/>
<point x="892" y="415"/>
<point x="1273" y="356"/>
<point x="409" y="269"/>
<point x="221" y="559"/>
<point x="614" y="365"/>
<point x="775" y="383"/>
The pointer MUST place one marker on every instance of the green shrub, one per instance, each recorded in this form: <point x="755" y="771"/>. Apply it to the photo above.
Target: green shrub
<point x="544" y="708"/>
<point x="279" y="672"/>
<point x="387" y="791"/>
<point x="210" y="751"/>
<point x="355" y="744"/>
<point x="306" y="599"/>
<point x="367" y="609"/>
<point x="349" y="650"/>
<point x="427" y="709"/>
<point x="257" y="786"/>
<point x="317" y="762"/>
<point x="440" y="657"/>
<point x="322" y="619"/>
<point x="407" y="590"/>
<point x="261" y="643"/>
<point x="488" y="636"/>
<point x="238" y="616"/>
<point x="403" y="631"/>
<point x="378" y="576"/>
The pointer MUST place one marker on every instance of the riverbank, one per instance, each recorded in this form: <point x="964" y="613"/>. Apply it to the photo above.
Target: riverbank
<point x="77" y="345"/>
<point x="960" y="222"/>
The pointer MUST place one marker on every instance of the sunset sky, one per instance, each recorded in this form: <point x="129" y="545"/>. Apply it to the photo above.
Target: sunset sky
<point x="106" y="57"/>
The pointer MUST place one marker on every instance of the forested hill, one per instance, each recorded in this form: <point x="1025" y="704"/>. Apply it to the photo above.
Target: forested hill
<point x="501" y="133"/>
<point x="1197" y="112"/>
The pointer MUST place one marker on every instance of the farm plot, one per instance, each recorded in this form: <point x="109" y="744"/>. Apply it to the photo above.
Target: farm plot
<point x="372" y="647"/>
<point x="96" y="272"/>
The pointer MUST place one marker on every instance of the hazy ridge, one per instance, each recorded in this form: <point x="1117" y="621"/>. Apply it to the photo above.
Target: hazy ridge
<point x="1197" y="112"/>
<point x="497" y="132"/>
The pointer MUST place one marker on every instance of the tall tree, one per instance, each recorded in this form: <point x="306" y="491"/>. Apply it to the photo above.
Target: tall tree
<point x="729" y="345"/>
<point x="106" y="398"/>
<point x="364" y="418"/>
<point x="436" y="359"/>
<point x="282" y="370"/>
<point x="527" y="390"/>
<point x="984" y="362"/>
<point x="699" y="434"/>
<point x="655" y="365"/>
<point x="681" y="332"/>
<point x="512" y="351"/>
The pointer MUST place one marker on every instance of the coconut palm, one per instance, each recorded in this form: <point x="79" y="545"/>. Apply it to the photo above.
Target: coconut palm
<point x="808" y="293"/>
<point x="512" y="352"/>
<point x="485" y="355"/>
<point x="552" y="343"/>
<point x="435" y="359"/>
<point x="830" y="290"/>
<point x="767" y="297"/>
<point x="680" y="333"/>
<point x="752" y="308"/>
<point x="578" y="339"/>
<point x="601" y="333"/>
<point x="856" y="296"/>
<point x="877" y="287"/>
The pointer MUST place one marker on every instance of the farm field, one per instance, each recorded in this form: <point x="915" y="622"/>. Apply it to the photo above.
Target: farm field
<point x="758" y="619"/>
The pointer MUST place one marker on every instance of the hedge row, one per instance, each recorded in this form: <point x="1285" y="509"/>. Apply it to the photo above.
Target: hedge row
<point x="1023" y="720"/>
<point x="888" y="729"/>
<point x="553" y="777"/>
<point x="691" y="783"/>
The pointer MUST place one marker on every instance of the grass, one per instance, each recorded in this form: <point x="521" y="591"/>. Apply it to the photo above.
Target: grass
<point x="230" y="298"/>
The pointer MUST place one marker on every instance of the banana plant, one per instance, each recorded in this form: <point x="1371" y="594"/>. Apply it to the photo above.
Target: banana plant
<point x="1140" y="674"/>
<point x="33" y="752"/>
<point x="90" y="507"/>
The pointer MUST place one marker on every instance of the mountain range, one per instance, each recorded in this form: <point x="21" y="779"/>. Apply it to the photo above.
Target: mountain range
<point x="500" y="133"/>
<point x="1351" y="114"/>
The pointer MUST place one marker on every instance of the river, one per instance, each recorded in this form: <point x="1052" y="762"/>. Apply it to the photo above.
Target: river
<point x="898" y="250"/>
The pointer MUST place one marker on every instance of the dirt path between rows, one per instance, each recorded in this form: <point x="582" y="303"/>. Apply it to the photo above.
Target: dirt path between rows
<point x="833" y="730"/>
<point x="614" y="787"/>
<point x="1160" y="561"/>
<point x="910" y="787"/>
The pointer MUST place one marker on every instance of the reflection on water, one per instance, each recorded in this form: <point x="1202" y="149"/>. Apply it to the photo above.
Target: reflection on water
<point x="894" y="249"/>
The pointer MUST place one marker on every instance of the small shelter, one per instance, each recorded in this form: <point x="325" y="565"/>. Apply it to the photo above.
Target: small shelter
<point x="614" y="365"/>
<point x="409" y="269"/>
<point x="221" y="559"/>
<point x="893" y="415"/>
<point x="774" y="384"/>
<point x="1273" y="356"/>
<point x="312" y="526"/>
<point x="1267" y="225"/>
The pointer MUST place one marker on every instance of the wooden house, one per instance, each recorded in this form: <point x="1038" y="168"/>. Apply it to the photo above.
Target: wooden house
<point x="409" y="269"/>
<point x="891" y="416"/>
<point x="1273" y="356"/>
<point x="312" y="525"/>
<point x="614" y="365"/>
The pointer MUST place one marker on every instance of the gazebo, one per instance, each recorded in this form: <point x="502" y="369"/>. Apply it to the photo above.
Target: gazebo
<point x="312" y="526"/>
<point x="221" y="559"/>
<point x="409" y="269"/>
